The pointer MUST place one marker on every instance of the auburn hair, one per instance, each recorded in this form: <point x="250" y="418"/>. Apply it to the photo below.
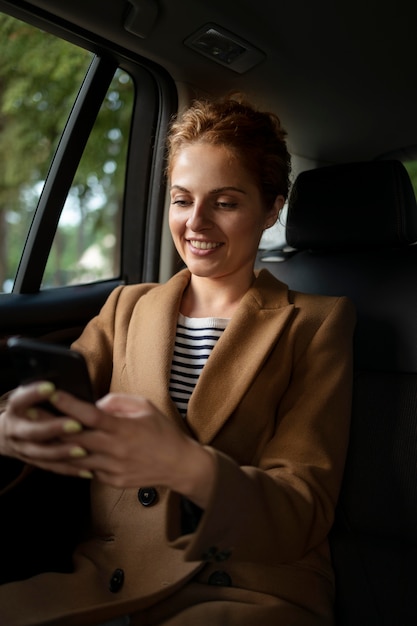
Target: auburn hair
<point x="256" y="138"/>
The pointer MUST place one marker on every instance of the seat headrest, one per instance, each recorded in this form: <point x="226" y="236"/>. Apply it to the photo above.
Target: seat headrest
<point x="354" y="205"/>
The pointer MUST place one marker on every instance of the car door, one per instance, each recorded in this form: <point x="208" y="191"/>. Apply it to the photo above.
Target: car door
<point x="93" y="207"/>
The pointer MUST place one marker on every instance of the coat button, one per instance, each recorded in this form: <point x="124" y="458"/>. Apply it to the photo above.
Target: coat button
<point x="116" y="580"/>
<point x="220" y="579"/>
<point x="147" y="496"/>
<point x="210" y="554"/>
<point x="223" y="555"/>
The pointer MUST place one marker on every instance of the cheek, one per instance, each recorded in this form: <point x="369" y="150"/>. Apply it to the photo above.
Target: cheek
<point x="252" y="229"/>
<point x="174" y="222"/>
<point x="177" y="229"/>
<point x="170" y="221"/>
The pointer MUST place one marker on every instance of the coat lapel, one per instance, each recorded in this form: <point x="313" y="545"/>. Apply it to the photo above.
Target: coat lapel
<point x="238" y="356"/>
<point x="151" y="341"/>
<point x="234" y="363"/>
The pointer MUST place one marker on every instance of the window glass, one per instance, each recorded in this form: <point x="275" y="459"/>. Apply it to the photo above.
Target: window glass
<point x="411" y="167"/>
<point x="86" y="247"/>
<point x="40" y="76"/>
<point x="274" y="238"/>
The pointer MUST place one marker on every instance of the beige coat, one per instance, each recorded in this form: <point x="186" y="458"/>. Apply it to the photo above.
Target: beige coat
<point x="273" y="406"/>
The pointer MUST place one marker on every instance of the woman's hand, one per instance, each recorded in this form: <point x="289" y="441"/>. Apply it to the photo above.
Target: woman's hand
<point x="123" y="441"/>
<point x="130" y="443"/>
<point x="30" y="433"/>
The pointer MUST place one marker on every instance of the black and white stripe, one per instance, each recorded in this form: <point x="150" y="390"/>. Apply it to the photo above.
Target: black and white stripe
<point x="194" y="342"/>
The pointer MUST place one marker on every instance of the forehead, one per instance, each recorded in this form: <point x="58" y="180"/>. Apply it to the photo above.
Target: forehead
<point x="202" y="149"/>
<point x="201" y="161"/>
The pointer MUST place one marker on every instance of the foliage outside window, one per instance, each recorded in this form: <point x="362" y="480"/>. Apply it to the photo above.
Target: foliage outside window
<point x="40" y="76"/>
<point x="86" y="247"/>
<point x="411" y="167"/>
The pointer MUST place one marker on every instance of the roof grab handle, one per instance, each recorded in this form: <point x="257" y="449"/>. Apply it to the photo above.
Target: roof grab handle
<point x="141" y="17"/>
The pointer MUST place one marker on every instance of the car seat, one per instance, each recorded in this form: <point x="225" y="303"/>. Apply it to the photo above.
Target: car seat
<point x="352" y="230"/>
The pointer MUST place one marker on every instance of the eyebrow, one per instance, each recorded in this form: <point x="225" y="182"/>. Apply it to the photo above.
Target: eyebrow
<point x="213" y="191"/>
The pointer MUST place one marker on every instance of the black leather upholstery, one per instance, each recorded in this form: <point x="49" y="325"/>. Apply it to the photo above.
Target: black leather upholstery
<point x="357" y="205"/>
<point x="353" y="229"/>
<point x="364" y="251"/>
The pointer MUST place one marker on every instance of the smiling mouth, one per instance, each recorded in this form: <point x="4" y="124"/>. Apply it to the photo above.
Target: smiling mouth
<point x="204" y="245"/>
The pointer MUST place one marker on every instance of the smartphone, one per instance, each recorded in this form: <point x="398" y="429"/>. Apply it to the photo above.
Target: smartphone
<point x="35" y="360"/>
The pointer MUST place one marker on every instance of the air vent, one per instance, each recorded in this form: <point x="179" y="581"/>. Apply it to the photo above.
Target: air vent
<point x="225" y="48"/>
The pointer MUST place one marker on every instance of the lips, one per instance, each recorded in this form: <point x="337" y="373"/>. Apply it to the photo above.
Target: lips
<point x="204" y="245"/>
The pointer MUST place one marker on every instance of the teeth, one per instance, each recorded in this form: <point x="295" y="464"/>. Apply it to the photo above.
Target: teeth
<point x="204" y="245"/>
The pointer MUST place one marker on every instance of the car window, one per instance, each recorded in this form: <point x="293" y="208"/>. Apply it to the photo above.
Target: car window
<point x="274" y="237"/>
<point x="40" y="77"/>
<point x="86" y="247"/>
<point x="411" y="167"/>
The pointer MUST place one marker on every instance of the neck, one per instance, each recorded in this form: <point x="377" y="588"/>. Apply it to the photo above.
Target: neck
<point x="208" y="297"/>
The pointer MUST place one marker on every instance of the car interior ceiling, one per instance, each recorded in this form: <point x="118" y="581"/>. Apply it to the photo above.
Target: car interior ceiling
<point x="341" y="77"/>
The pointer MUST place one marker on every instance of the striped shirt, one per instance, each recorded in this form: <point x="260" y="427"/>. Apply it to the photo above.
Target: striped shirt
<point x="195" y="339"/>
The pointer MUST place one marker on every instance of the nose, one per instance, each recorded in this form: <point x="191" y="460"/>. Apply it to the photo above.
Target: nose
<point x="199" y="218"/>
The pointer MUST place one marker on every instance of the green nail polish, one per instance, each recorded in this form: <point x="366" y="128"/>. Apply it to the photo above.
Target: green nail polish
<point x="46" y="388"/>
<point x="71" y="426"/>
<point x="85" y="474"/>
<point x="77" y="452"/>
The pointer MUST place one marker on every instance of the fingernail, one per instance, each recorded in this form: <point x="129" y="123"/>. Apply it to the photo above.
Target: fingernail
<point x="32" y="414"/>
<point x="85" y="474"/>
<point x="46" y="388"/>
<point x="77" y="452"/>
<point x="71" y="426"/>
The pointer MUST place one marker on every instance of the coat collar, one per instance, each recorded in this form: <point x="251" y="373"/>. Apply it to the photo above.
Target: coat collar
<point x="235" y="361"/>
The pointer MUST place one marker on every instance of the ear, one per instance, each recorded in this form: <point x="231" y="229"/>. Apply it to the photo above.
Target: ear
<point x="274" y="212"/>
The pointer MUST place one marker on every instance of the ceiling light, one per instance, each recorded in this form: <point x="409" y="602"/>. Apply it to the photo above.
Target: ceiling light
<point x="225" y="48"/>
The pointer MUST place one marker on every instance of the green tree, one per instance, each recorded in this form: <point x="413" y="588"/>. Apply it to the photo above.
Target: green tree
<point x="411" y="167"/>
<point x="40" y="76"/>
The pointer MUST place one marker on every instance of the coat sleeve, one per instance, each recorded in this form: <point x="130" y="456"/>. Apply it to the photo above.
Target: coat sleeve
<point x="104" y="337"/>
<point x="278" y="510"/>
<point x="97" y="345"/>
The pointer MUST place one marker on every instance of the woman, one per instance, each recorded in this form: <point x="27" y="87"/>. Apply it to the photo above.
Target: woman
<point x="217" y="450"/>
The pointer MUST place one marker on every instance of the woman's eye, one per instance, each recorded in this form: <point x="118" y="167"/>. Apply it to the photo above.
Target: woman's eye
<point x="226" y="205"/>
<point x="181" y="202"/>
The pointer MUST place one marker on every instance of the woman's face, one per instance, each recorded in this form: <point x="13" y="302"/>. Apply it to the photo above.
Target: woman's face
<point x="216" y="214"/>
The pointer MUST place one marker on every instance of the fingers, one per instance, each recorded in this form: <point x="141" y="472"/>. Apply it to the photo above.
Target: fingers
<point x="32" y="401"/>
<point x="28" y="417"/>
<point x="24" y="401"/>
<point x="43" y="440"/>
<point x="87" y="414"/>
<point x="31" y="433"/>
<point x="65" y="468"/>
<point x="101" y="440"/>
<point x="43" y="428"/>
<point x="125" y="405"/>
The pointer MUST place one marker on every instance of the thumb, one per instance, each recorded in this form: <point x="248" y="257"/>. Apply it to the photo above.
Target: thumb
<point x="122" y="405"/>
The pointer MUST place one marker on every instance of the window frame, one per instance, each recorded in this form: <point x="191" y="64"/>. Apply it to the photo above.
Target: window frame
<point x="61" y="174"/>
<point x="144" y="195"/>
<point x="61" y="312"/>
